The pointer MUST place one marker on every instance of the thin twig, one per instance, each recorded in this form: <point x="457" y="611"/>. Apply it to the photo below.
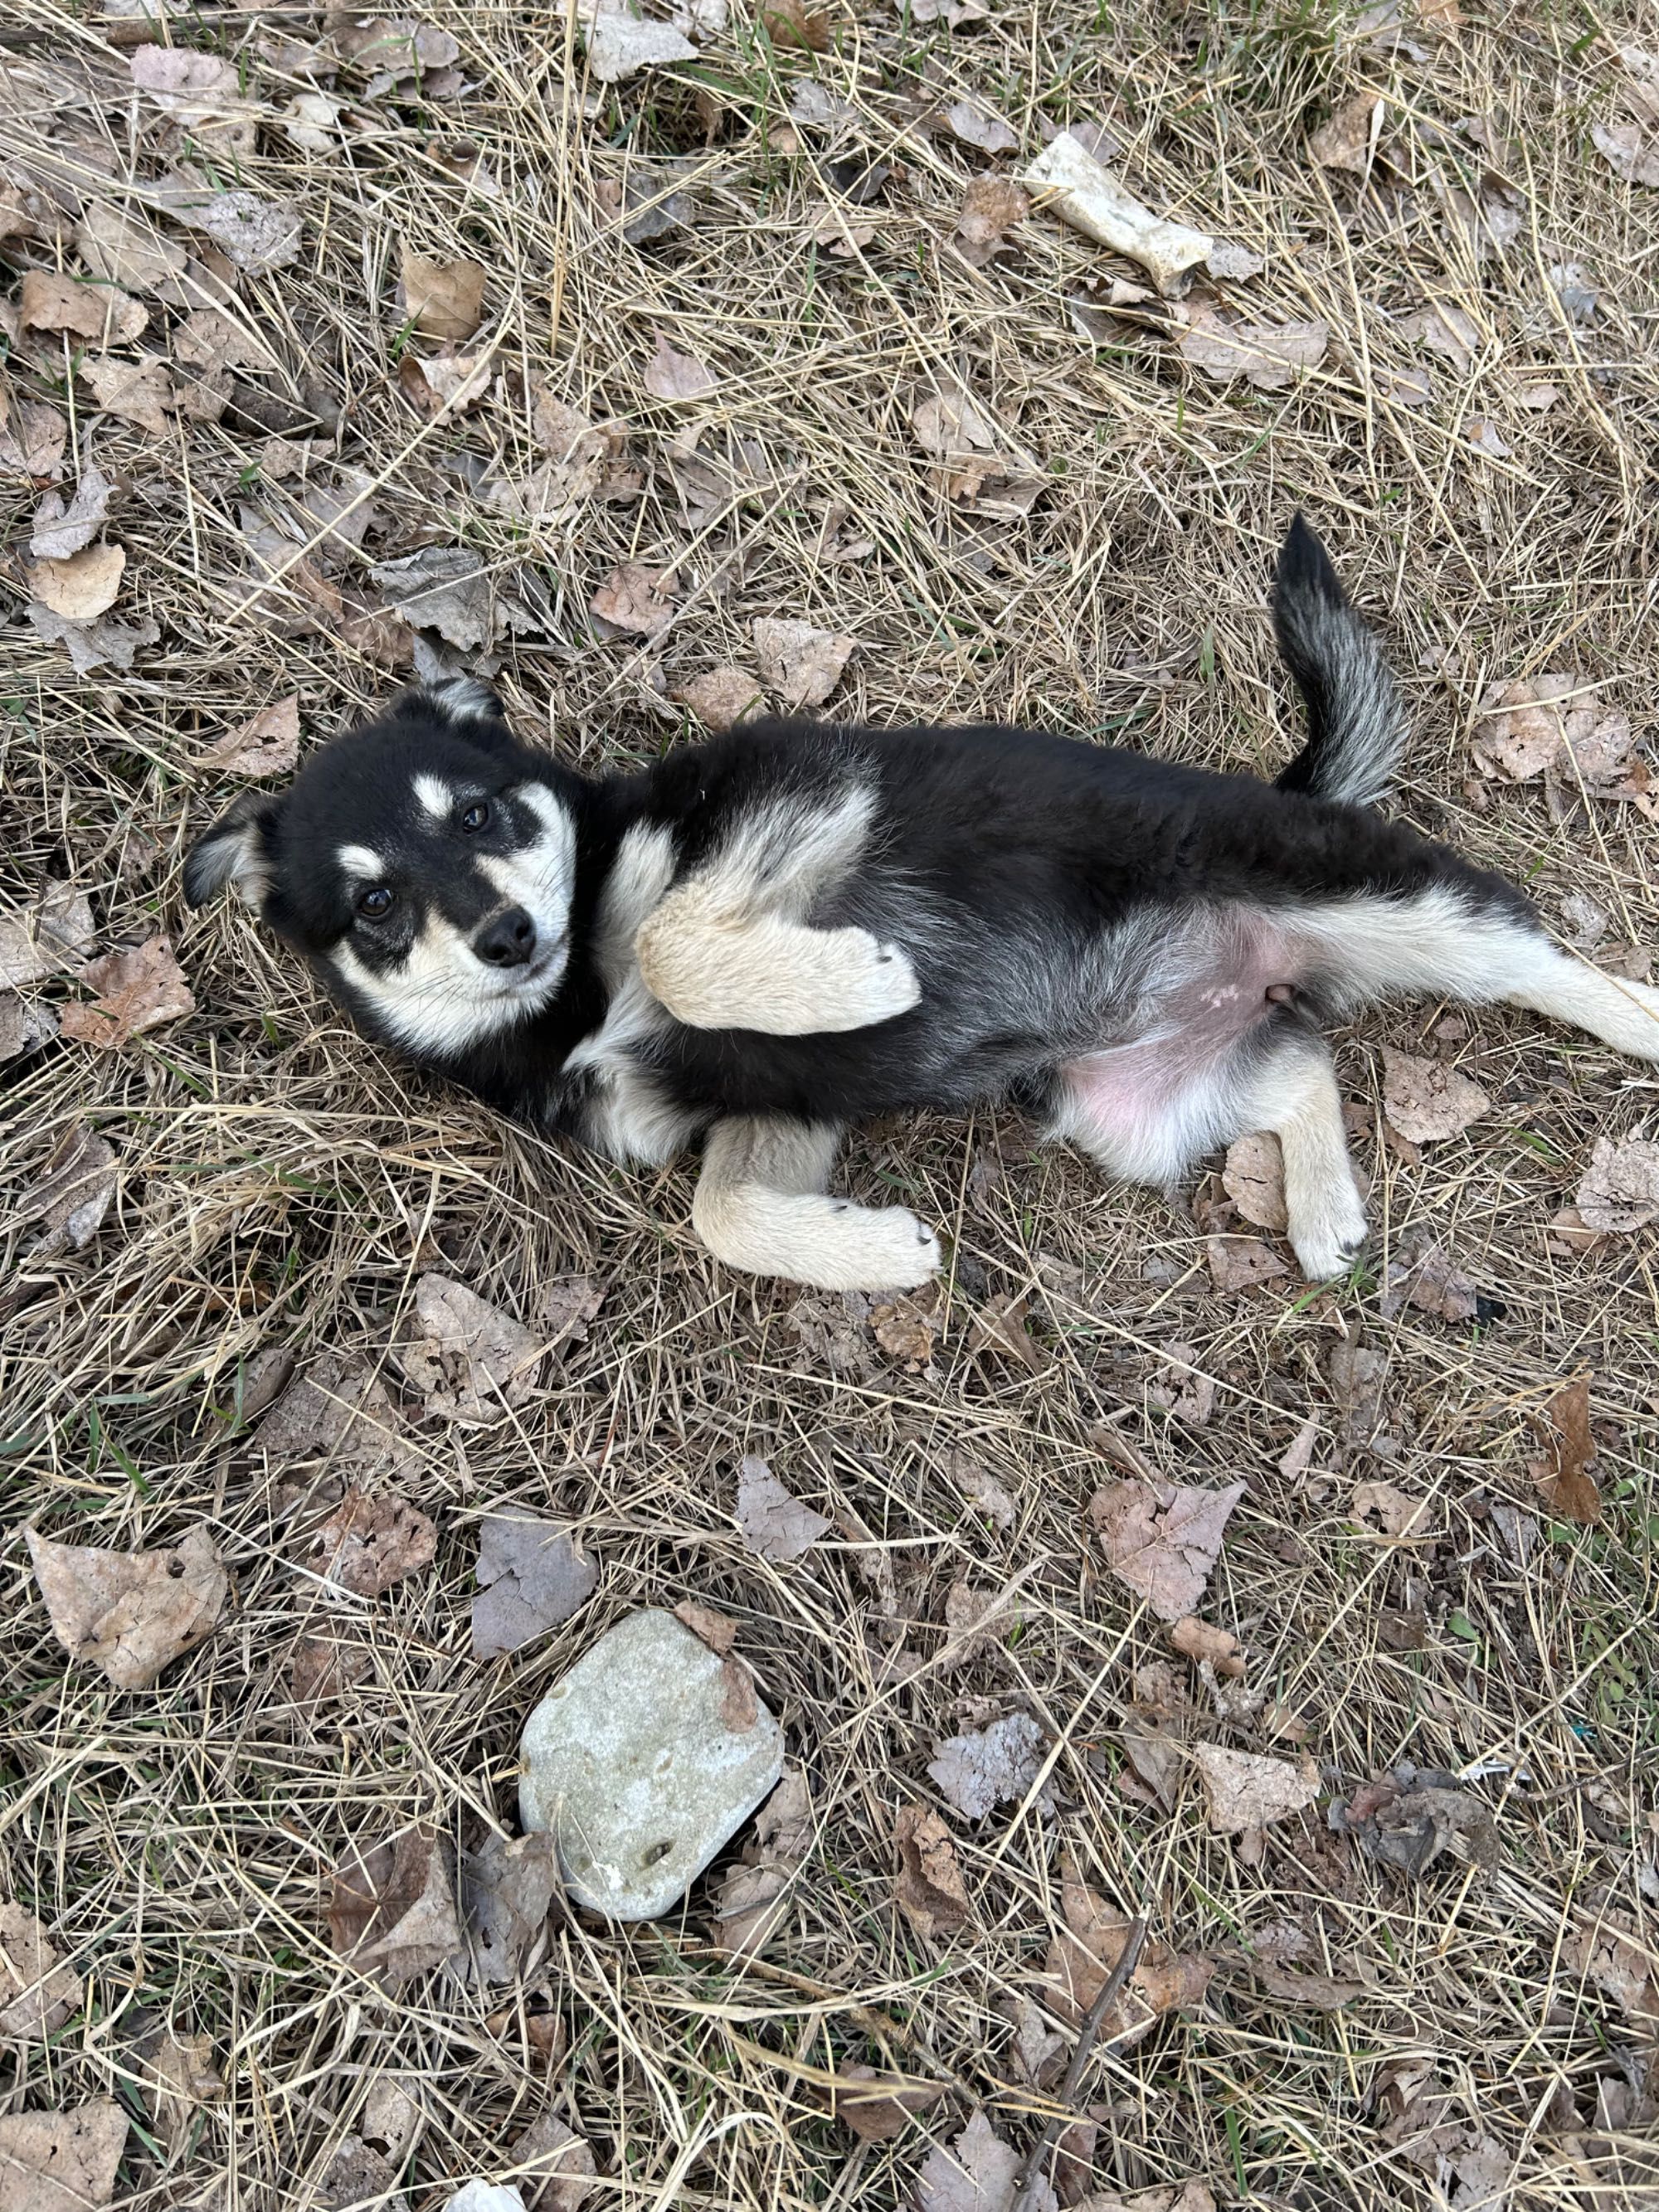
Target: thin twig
<point x="1025" y="2187"/>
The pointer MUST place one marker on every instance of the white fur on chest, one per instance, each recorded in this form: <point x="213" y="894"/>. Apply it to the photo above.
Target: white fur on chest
<point x="628" y="1117"/>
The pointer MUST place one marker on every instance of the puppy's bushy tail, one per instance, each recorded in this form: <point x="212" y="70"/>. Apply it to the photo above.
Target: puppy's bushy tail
<point x="1355" y="722"/>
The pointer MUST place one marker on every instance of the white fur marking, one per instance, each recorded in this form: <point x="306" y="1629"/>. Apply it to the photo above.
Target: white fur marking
<point x="464" y="699"/>
<point x="360" y="863"/>
<point x="437" y="800"/>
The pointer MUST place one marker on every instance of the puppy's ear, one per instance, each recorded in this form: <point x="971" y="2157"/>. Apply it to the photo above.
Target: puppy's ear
<point x="466" y="704"/>
<point x="234" y="851"/>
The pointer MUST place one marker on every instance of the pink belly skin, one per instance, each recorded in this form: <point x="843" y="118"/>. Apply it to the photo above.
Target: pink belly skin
<point x="1150" y="1105"/>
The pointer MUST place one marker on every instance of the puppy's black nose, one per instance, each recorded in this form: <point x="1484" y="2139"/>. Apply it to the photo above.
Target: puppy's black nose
<point x="506" y="939"/>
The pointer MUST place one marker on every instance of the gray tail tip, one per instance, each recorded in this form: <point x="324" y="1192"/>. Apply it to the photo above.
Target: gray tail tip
<point x="1303" y="569"/>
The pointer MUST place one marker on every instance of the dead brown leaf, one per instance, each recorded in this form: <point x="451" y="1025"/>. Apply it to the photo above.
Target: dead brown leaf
<point x="38" y="1991"/>
<point x="1629" y="151"/>
<point x="990" y="206"/>
<point x="339" y="1410"/>
<point x="74" y="1193"/>
<point x="751" y="1901"/>
<point x="1407" y="1818"/>
<point x="46" y="936"/>
<point x="1395" y="1513"/>
<point x="367" y="1544"/>
<point x="1421" y="1275"/>
<point x="1252" y="1176"/>
<point x="1425" y="1100"/>
<point x="791" y="23"/>
<point x="1246" y="1790"/>
<point x="1322" y="1992"/>
<point x="721" y="697"/>
<point x="637" y="598"/>
<point x="119" y="245"/>
<point x="1569" y="1490"/>
<point x="553" y="2167"/>
<point x="61" y="2161"/>
<point x="714" y="1629"/>
<point x="49" y="302"/>
<point x="139" y="990"/>
<point x="1082" y="1954"/>
<point x="801" y="664"/>
<point x="1202" y="1641"/>
<point x="1270" y="355"/>
<point x="1619" y="1191"/>
<point x="62" y="530"/>
<point x="1242" y="1263"/>
<point x="473" y="1362"/>
<point x="907" y="1328"/>
<point x="929" y="1890"/>
<point x="773" y="1524"/>
<point x="267" y="744"/>
<point x="877" y="2107"/>
<point x="82" y="588"/>
<point x="1345" y="143"/>
<point x="672" y="375"/>
<point x="1358" y="1377"/>
<point x="988" y="133"/>
<point x="392" y="1912"/>
<point x="977" y="2173"/>
<point x="130" y="1613"/>
<point x="532" y="1577"/>
<point x="324" y="1667"/>
<point x="138" y="391"/>
<point x="507" y="1886"/>
<point x="443" y="299"/>
<point x="1002" y="1328"/>
<point x="1162" y="1538"/>
<point x="1612" y="1954"/>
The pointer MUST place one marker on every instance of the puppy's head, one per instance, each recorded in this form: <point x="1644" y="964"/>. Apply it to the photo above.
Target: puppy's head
<point x="425" y="865"/>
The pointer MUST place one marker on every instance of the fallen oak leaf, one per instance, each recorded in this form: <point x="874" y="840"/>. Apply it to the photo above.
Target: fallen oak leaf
<point x="1408" y="1817"/>
<point x="1425" y="1100"/>
<point x="1162" y="1538"/>
<point x="721" y="697"/>
<point x="1630" y="152"/>
<point x="1003" y="1329"/>
<point x="73" y="1196"/>
<point x="267" y="744"/>
<point x="367" y="1544"/>
<point x="800" y="664"/>
<point x="473" y="1362"/>
<point x="620" y="43"/>
<point x="929" y="1890"/>
<point x="989" y="133"/>
<point x="139" y="990"/>
<point x="324" y="1667"/>
<point x="1089" y="1948"/>
<point x="1397" y="1513"/>
<point x="791" y="23"/>
<point x="1323" y="1992"/>
<point x="977" y="2173"/>
<point x="773" y="1524"/>
<point x="1202" y="1642"/>
<point x="714" y="1629"/>
<point x="555" y="2165"/>
<point x="1421" y="1275"/>
<point x="130" y="1614"/>
<point x="532" y="1577"/>
<point x="1346" y="140"/>
<point x="392" y="1912"/>
<point x="46" y="936"/>
<point x="61" y="530"/>
<point x="1242" y="1263"/>
<point x="1246" y="1790"/>
<point x="752" y="1893"/>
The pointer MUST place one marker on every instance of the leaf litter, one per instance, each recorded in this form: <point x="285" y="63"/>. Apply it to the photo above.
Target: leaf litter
<point x="986" y="1767"/>
<point x="508" y="1888"/>
<point x="130" y="1614"/>
<point x="1425" y="1101"/>
<point x="773" y="1524"/>
<point x="753" y="1894"/>
<point x="929" y="1890"/>
<point x="1569" y="1488"/>
<point x="392" y="1911"/>
<point x="139" y="990"/>
<point x="38" y="1991"/>
<point x="473" y="1363"/>
<point x="368" y="1544"/>
<point x="1088" y="1947"/>
<point x="532" y="1577"/>
<point x="1162" y="1538"/>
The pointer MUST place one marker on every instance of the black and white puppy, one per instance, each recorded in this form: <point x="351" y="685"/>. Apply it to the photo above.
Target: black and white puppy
<point x="765" y="939"/>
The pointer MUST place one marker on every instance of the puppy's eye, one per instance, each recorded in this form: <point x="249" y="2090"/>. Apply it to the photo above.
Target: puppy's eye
<point x="375" y="904"/>
<point x="476" y="815"/>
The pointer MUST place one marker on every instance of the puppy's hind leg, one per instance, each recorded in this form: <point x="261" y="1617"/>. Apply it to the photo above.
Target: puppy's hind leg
<point x="1291" y="1089"/>
<point x="761" y="1205"/>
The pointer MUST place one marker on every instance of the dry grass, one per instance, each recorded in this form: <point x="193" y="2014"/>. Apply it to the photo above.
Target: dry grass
<point x="281" y="1184"/>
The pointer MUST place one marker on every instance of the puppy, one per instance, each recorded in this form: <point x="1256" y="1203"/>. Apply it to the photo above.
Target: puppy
<point x="762" y="940"/>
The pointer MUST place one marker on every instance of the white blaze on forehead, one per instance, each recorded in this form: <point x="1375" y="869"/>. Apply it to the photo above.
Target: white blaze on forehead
<point x="358" y="860"/>
<point x="436" y="796"/>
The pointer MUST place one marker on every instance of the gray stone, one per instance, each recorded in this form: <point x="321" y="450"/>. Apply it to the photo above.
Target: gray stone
<point x="649" y="1755"/>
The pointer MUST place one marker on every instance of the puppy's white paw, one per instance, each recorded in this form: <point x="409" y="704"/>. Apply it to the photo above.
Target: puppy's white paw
<point x="1328" y="1228"/>
<point x="887" y="1249"/>
<point x="864" y="982"/>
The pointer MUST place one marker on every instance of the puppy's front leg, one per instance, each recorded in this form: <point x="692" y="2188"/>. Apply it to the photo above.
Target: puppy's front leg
<point x="761" y="1206"/>
<point x="717" y="963"/>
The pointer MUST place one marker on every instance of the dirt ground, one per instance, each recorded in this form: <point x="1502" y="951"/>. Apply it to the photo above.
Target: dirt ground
<point x="995" y="469"/>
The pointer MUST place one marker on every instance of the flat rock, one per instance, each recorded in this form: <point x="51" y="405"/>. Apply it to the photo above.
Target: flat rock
<point x="643" y="1760"/>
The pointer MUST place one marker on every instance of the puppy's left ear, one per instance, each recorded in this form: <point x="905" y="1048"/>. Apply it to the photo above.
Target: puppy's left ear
<point x="236" y="850"/>
<point x="466" y="704"/>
